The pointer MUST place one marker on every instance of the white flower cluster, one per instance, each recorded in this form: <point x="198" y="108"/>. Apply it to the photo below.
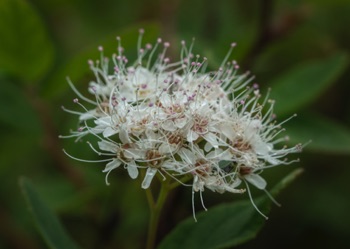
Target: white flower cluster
<point x="176" y="119"/>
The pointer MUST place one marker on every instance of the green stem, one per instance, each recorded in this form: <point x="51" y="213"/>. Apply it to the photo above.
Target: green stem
<point x="155" y="209"/>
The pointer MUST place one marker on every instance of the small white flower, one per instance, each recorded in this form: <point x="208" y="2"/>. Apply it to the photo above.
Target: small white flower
<point x="126" y="154"/>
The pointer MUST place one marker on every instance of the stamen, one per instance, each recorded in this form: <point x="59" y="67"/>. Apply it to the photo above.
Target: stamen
<point x="252" y="201"/>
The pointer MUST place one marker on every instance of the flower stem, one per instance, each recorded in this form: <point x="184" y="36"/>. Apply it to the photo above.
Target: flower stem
<point x="155" y="209"/>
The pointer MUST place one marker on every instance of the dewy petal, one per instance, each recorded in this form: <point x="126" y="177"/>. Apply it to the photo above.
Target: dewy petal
<point x="132" y="170"/>
<point x="150" y="173"/>
<point x="256" y="180"/>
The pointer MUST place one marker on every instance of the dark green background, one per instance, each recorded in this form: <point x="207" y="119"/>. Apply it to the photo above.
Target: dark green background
<point x="299" y="48"/>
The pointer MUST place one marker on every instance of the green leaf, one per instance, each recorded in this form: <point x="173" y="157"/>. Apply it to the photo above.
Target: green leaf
<point x="25" y="49"/>
<point x="225" y="225"/>
<point x="326" y="135"/>
<point x="77" y="67"/>
<point x="47" y="223"/>
<point x="304" y="83"/>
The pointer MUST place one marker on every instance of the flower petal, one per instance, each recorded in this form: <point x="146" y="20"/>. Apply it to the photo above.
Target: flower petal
<point x="192" y="136"/>
<point x="180" y="122"/>
<point x="112" y="165"/>
<point x="167" y="148"/>
<point x="168" y="125"/>
<point x="109" y="131"/>
<point x="107" y="146"/>
<point x="256" y="180"/>
<point x="187" y="156"/>
<point x="124" y="136"/>
<point x="87" y="115"/>
<point x="150" y="173"/>
<point x="212" y="139"/>
<point x="132" y="170"/>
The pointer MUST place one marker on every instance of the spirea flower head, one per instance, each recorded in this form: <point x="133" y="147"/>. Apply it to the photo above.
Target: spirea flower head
<point x="178" y="120"/>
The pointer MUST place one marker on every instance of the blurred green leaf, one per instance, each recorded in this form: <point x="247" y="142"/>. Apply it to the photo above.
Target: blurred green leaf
<point x="14" y="104"/>
<point x="305" y="82"/>
<point x="47" y="223"/>
<point x="216" y="27"/>
<point x="223" y="226"/>
<point x="77" y="67"/>
<point x="326" y="135"/>
<point x="65" y="199"/>
<point x="238" y="26"/>
<point x="25" y="49"/>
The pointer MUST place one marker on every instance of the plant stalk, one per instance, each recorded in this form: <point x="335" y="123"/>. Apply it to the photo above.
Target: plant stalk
<point x="155" y="209"/>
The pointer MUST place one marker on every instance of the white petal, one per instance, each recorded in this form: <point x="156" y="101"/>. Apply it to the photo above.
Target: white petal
<point x="180" y="122"/>
<point x="167" y="148"/>
<point x="87" y="115"/>
<point x="256" y="180"/>
<point x="150" y="173"/>
<point x="134" y="153"/>
<point x="187" y="155"/>
<point x="232" y="188"/>
<point x="109" y="131"/>
<point x="260" y="146"/>
<point x="107" y="146"/>
<point x="236" y="183"/>
<point x="226" y="155"/>
<point x="151" y="135"/>
<point x="208" y="147"/>
<point x="132" y="170"/>
<point x="213" y="153"/>
<point x="104" y="121"/>
<point x="228" y="131"/>
<point x="112" y="165"/>
<point x="272" y="160"/>
<point x="123" y="136"/>
<point x="191" y="136"/>
<point x="211" y="138"/>
<point x="97" y="129"/>
<point x="254" y="125"/>
<point x="168" y="125"/>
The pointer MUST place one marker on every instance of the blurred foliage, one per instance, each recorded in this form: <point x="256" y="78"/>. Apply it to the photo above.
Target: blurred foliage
<point x="25" y="49"/>
<point x="233" y="223"/>
<point x="299" y="48"/>
<point x="50" y="228"/>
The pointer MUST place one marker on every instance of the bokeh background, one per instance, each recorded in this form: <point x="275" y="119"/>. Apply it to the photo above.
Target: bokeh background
<point x="299" y="48"/>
